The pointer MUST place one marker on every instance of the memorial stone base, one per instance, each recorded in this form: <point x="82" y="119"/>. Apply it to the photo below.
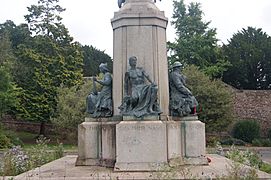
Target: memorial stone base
<point x="97" y="143"/>
<point x="153" y="145"/>
<point x="191" y="136"/>
<point x="141" y="145"/>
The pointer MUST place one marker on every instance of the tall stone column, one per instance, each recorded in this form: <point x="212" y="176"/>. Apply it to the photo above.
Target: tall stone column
<point x="139" y="29"/>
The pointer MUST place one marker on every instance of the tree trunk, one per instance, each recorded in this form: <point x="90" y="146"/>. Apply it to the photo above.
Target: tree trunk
<point x="42" y="128"/>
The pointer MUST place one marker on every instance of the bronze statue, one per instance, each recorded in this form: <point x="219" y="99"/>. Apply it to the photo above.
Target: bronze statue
<point x="120" y="2"/>
<point x="181" y="102"/>
<point x="140" y="99"/>
<point x="99" y="104"/>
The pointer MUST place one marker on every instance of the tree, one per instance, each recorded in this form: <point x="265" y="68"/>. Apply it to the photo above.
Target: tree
<point x="215" y="99"/>
<point x="17" y="34"/>
<point x="92" y="59"/>
<point x="196" y="42"/>
<point x="8" y="92"/>
<point x="50" y="59"/>
<point x="44" y="19"/>
<point x="71" y="109"/>
<point x="249" y="52"/>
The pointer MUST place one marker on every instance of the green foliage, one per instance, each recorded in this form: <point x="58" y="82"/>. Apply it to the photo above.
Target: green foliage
<point x="71" y="108"/>
<point x="6" y="54"/>
<point x="249" y="52"/>
<point x="261" y="142"/>
<point x="269" y="134"/>
<point x="8" y="139"/>
<point x="266" y="167"/>
<point x="4" y="141"/>
<point x="17" y="34"/>
<point x="45" y="61"/>
<point x="237" y="170"/>
<point x="246" y="130"/>
<point x="215" y="100"/>
<point x="38" y="153"/>
<point x="92" y="59"/>
<point x="8" y="92"/>
<point x="196" y="42"/>
<point x="232" y="141"/>
<point x="44" y="19"/>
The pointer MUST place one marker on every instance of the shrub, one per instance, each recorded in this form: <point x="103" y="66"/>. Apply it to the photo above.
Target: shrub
<point x="266" y="167"/>
<point x="246" y="130"/>
<point x="14" y="139"/>
<point x="215" y="99"/>
<point x="232" y="141"/>
<point x="261" y="142"/>
<point x="237" y="169"/>
<point x="71" y="109"/>
<point x="4" y="141"/>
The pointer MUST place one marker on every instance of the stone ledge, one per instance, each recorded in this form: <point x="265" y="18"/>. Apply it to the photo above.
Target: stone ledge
<point x="65" y="168"/>
<point x="139" y="167"/>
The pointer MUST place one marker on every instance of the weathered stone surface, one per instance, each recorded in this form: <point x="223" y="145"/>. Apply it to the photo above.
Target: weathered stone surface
<point x="254" y="104"/>
<point x="139" y="29"/>
<point x="89" y="146"/>
<point x="175" y="140"/>
<point x="140" y="145"/>
<point x="64" y="168"/>
<point x="194" y="141"/>
<point x="97" y="143"/>
<point x="108" y="144"/>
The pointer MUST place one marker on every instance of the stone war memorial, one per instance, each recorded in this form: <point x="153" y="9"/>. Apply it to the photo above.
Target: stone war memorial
<point x="144" y="117"/>
<point x="142" y="122"/>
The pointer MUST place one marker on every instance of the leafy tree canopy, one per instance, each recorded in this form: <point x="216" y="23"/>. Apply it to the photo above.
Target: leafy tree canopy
<point x="249" y="52"/>
<point x="196" y="43"/>
<point x="47" y="59"/>
<point x="8" y="91"/>
<point x="92" y="59"/>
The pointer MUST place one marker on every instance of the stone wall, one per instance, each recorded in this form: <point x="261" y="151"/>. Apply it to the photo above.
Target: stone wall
<point x="254" y="104"/>
<point x="31" y="127"/>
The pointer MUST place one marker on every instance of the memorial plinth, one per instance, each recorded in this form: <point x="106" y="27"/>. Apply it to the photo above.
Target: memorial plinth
<point x="141" y="145"/>
<point x="153" y="145"/>
<point x="97" y="143"/>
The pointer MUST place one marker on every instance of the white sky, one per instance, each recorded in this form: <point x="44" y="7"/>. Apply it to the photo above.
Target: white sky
<point x="89" y="20"/>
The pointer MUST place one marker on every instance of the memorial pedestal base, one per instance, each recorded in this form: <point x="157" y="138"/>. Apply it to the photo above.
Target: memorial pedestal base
<point x="96" y="143"/>
<point x="140" y="145"/>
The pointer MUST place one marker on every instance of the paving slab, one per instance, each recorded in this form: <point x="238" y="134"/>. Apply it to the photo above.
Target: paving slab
<point x="65" y="169"/>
